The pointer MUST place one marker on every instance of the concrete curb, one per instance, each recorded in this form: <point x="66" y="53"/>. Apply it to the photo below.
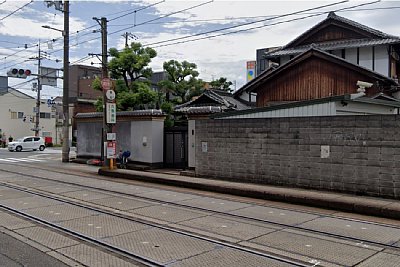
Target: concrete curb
<point x="342" y="202"/>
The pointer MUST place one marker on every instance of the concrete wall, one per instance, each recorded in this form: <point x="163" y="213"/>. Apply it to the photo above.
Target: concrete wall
<point x="353" y="154"/>
<point x="144" y="138"/>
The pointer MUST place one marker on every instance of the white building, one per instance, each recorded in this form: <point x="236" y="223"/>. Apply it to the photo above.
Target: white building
<point x="17" y="117"/>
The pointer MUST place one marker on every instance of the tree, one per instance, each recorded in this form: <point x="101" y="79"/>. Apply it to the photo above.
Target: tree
<point x="133" y="91"/>
<point x="131" y="63"/>
<point x="221" y="84"/>
<point x="181" y="80"/>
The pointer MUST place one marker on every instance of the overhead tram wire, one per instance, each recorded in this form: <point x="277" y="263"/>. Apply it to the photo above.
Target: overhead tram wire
<point x="15" y="11"/>
<point x="231" y="19"/>
<point x="93" y="26"/>
<point x="253" y="22"/>
<point x="164" y="16"/>
<point x="248" y="29"/>
<point x="199" y="38"/>
<point x="161" y="17"/>
<point x="135" y="11"/>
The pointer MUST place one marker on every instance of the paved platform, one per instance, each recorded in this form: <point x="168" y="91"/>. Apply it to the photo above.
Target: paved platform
<point x="380" y="207"/>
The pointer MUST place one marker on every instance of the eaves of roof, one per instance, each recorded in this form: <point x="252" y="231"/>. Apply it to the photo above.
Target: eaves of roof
<point x="137" y="113"/>
<point x="332" y="17"/>
<point x="333" y="45"/>
<point x="366" y="100"/>
<point x="284" y="106"/>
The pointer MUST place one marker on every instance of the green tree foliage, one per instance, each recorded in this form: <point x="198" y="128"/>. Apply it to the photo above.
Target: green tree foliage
<point x="221" y="84"/>
<point x="131" y="63"/>
<point x="181" y="80"/>
<point x="130" y="70"/>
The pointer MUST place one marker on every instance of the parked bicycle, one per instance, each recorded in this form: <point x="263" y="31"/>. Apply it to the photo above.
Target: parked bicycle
<point x="123" y="158"/>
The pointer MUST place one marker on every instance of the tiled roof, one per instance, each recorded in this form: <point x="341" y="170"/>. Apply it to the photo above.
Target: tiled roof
<point x="200" y="110"/>
<point x="223" y="99"/>
<point x="146" y="112"/>
<point x="333" y="45"/>
<point x="380" y="38"/>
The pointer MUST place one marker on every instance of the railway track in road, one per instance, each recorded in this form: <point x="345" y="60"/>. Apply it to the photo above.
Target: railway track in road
<point x="305" y="227"/>
<point x="250" y="254"/>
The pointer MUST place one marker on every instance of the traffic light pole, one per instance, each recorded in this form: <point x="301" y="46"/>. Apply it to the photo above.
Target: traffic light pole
<point x="39" y="88"/>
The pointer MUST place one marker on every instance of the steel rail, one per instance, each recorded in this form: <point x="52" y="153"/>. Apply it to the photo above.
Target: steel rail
<point x="295" y="227"/>
<point x="166" y="228"/>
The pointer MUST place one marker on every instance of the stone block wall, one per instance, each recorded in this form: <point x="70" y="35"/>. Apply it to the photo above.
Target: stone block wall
<point x="352" y="154"/>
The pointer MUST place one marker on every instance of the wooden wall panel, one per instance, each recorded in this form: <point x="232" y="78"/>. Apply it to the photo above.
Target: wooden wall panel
<point x="330" y="33"/>
<point x="310" y="79"/>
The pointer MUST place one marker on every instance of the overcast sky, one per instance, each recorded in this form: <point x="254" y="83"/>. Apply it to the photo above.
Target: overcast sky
<point x="195" y="31"/>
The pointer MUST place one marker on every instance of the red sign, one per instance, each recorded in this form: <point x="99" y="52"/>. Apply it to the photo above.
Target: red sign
<point x="111" y="149"/>
<point x="106" y="83"/>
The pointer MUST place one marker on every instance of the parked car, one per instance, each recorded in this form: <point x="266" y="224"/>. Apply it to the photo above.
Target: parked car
<point x="27" y="143"/>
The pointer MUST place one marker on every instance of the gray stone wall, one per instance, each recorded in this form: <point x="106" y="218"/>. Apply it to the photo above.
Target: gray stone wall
<point x="352" y="154"/>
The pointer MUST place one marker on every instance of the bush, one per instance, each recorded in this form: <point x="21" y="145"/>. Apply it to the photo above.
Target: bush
<point x="49" y="144"/>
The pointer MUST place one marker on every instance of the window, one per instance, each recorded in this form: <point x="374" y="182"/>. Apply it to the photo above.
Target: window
<point x="13" y="115"/>
<point x="28" y="139"/>
<point x="45" y="115"/>
<point x="20" y="115"/>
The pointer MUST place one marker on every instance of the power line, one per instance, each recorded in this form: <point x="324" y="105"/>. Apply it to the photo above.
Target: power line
<point x="248" y="29"/>
<point x="232" y="19"/>
<point x="163" y="16"/>
<point x="136" y="10"/>
<point x="15" y="11"/>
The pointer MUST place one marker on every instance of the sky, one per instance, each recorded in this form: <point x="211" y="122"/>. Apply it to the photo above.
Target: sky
<point x="218" y="36"/>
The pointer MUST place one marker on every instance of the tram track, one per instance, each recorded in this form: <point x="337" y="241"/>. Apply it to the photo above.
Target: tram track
<point x="123" y="252"/>
<point x="283" y="225"/>
<point x="233" y="216"/>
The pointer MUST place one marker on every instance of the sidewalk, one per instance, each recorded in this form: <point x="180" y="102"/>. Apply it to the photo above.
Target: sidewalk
<point x="380" y="207"/>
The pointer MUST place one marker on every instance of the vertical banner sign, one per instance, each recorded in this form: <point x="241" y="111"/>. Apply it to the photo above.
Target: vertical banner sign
<point x="111" y="149"/>
<point x="251" y="70"/>
<point x="111" y="109"/>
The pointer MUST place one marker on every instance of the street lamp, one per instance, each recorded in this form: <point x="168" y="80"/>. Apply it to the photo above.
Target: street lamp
<point x="65" y="34"/>
<point x="51" y="28"/>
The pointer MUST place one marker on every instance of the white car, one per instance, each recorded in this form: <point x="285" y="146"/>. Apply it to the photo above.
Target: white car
<point x="27" y="143"/>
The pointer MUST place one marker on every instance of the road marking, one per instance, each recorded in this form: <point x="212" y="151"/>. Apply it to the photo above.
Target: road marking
<point x="15" y="160"/>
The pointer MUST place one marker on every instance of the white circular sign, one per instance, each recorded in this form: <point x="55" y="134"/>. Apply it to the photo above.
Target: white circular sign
<point x="110" y="94"/>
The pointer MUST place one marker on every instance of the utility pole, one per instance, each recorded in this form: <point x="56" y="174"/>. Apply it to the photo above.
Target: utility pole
<point x="126" y="35"/>
<point x="39" y="88"/>
<point x="65" y="102"/>
<point x="104" y="74"/>
<point x="65" y="144"/>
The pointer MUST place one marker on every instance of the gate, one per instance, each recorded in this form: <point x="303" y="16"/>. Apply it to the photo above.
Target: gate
<point x="176" y="147"/>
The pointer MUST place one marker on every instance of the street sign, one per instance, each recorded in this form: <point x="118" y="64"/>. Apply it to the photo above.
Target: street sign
<point x="111" y="137"/>
<point x="48" y="76"/>
<point x="111" y="149"/>
<point x="110" y="94"/>
<point x="111" y="112"/>
<point x="106" y="83"/>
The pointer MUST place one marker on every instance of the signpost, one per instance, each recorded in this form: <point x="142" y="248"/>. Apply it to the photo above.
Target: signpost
<point x="111" y="149"/>
<point x="110" y="119"/>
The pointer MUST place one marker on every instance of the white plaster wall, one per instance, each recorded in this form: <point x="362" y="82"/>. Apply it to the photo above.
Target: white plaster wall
<point x="158" y="141"/>
<point x="191" y="144"/>
<point x="146" y="137"/>
<point x="366" y="57"/>
<point x="382" y="60"/>
<point x="351" y="55"/>
<point x="245" y="97"/>
<point x="16" y="127"/>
